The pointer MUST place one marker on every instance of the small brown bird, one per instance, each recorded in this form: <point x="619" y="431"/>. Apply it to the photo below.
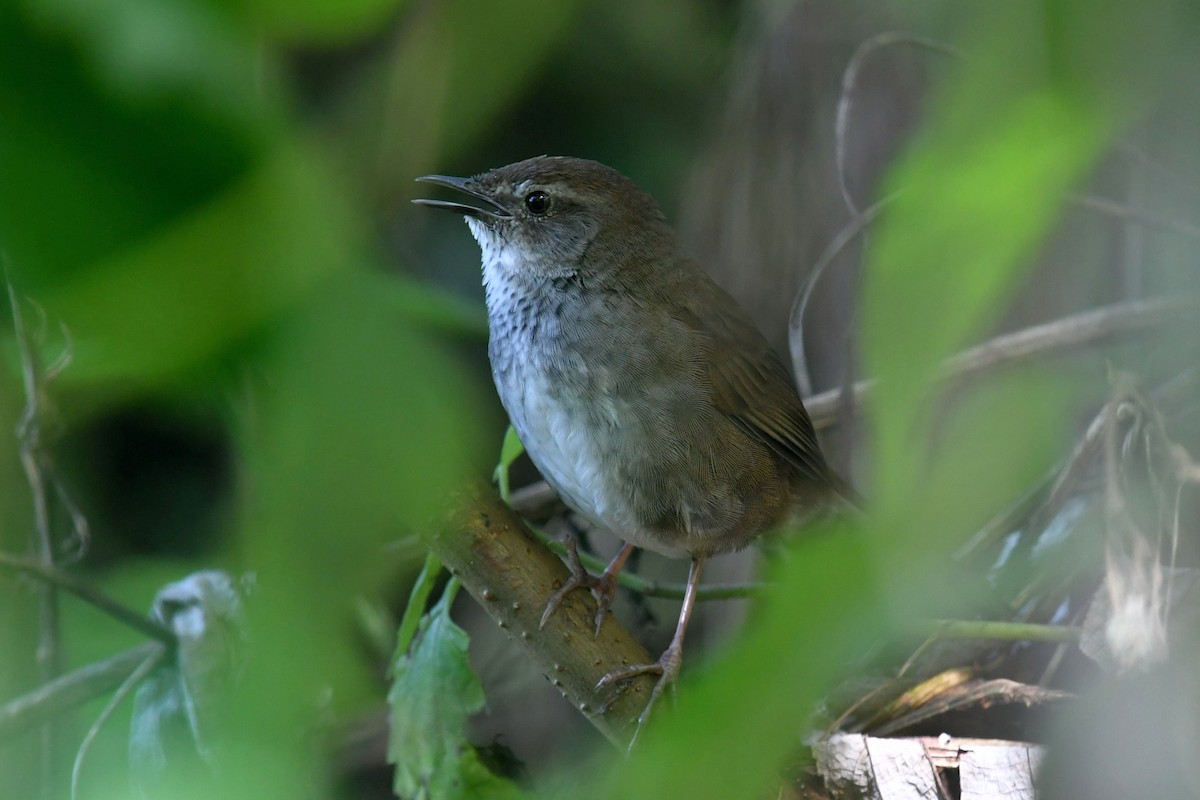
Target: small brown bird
<point x="641" y="390"/>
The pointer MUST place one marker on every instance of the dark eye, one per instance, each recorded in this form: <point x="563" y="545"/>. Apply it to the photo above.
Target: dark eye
<point x="538" y="203"/>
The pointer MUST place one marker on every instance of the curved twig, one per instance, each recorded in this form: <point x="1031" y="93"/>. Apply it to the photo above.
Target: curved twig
<point x="128" y="685"/>
<point x="855" y="227"/>
<point x="75" y="688"/>
<point x="850" y="78"/>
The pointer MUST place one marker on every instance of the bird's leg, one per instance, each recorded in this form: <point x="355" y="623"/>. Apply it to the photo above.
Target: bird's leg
<point x="604" y="588"/>
<point x="669" y="662"/>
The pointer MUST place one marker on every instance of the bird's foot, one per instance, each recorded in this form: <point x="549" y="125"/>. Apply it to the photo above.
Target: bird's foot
<point x="667" y="668"/>
<point x="604" y="588"/>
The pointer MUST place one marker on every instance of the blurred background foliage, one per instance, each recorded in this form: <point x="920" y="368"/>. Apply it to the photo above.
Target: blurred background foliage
<point x="278" y="367"/>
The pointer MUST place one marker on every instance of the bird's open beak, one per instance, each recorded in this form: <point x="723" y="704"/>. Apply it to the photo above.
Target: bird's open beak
<point x="491" y="210"/>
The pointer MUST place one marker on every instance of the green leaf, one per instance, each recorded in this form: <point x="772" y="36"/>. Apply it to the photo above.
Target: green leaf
<point x="119" y="115"/>
<point x="510" y="451"/>
<point x="322" y="21"/>
<point x="199" y="284"/>
<point x="434" y="691"/>
<point x="364" y="430"/>
<point x="451" y="70"/>
<point x="413" y="612"/>
<point x="972" y="207"/>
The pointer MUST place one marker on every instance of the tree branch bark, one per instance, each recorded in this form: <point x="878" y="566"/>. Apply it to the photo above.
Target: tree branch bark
<point x="512" y="575"/>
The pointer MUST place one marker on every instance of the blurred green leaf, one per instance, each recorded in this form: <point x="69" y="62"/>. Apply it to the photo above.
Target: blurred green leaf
<point x="417" y="600"/>
<point x="118" y="115"/>
<point x="510" y="451"/>
<point x="950" y="252"/>
<point x="320" y="21"/>
<point x="980" y="186"/>
<point x="434" y="691"/>
<point x="755" y="697"/>
<point x="991" y="445"/>
<point x="362" y="430"/>
<point x="182" y="295"/>
<point x="974" y="203"/>
<point x="450" y="72"/>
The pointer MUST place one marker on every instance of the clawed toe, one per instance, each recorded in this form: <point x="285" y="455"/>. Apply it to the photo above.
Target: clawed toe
<point x="604" y="588"/>
<point x="579" y="578"/>
<point x="571" y="584"/>
<point x="667" y="668"/>
<point x="624" y="674"/>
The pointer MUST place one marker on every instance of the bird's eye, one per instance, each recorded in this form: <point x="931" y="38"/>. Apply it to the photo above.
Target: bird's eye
<point x="538" y="203"/>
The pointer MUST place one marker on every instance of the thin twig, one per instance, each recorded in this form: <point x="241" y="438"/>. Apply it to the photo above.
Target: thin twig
<point x="29" y="434"/>
<point x="1114" y="499"/>
<point x="1004" y="631"/>
<point x="1119" y="211"/>
<point x="71" y="690"/>
<point x="859" y="222"/>
<point x="855" y="227"/>
<point x="849" y="81"/>
<point x="1066" y="333"/>
<point x="80" y="538"/>
<point x="77" y="544"/>
<point x="137" y="676"/>
<point x="56" y="577"/>
<point x="651" y="588"/>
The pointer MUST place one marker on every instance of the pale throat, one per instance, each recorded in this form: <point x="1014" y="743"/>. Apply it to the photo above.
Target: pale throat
<point x="500" y="259"/>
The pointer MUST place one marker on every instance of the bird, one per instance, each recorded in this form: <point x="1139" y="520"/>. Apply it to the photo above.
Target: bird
<point x="642" y="392"/>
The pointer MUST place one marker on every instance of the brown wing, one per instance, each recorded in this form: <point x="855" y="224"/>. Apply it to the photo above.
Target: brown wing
<point x="751" y="385"/>
<point x="758" y="395"/>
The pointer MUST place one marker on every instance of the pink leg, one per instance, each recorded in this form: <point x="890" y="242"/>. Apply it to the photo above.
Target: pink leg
<point x="603" y="588"/>
<point x="672" y="658"/>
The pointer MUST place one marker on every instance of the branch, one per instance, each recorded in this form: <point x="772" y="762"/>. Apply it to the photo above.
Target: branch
<point x="644" y="586"/>
<point x="75" y="688"/>
<point x="1113" y="209"/>
<point x="55" y="577"/>
<point x="1088" y="327"/>
<point x="512" y="575"/>
<point x="849" y="83"/>
<point x="999" y="630"/>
